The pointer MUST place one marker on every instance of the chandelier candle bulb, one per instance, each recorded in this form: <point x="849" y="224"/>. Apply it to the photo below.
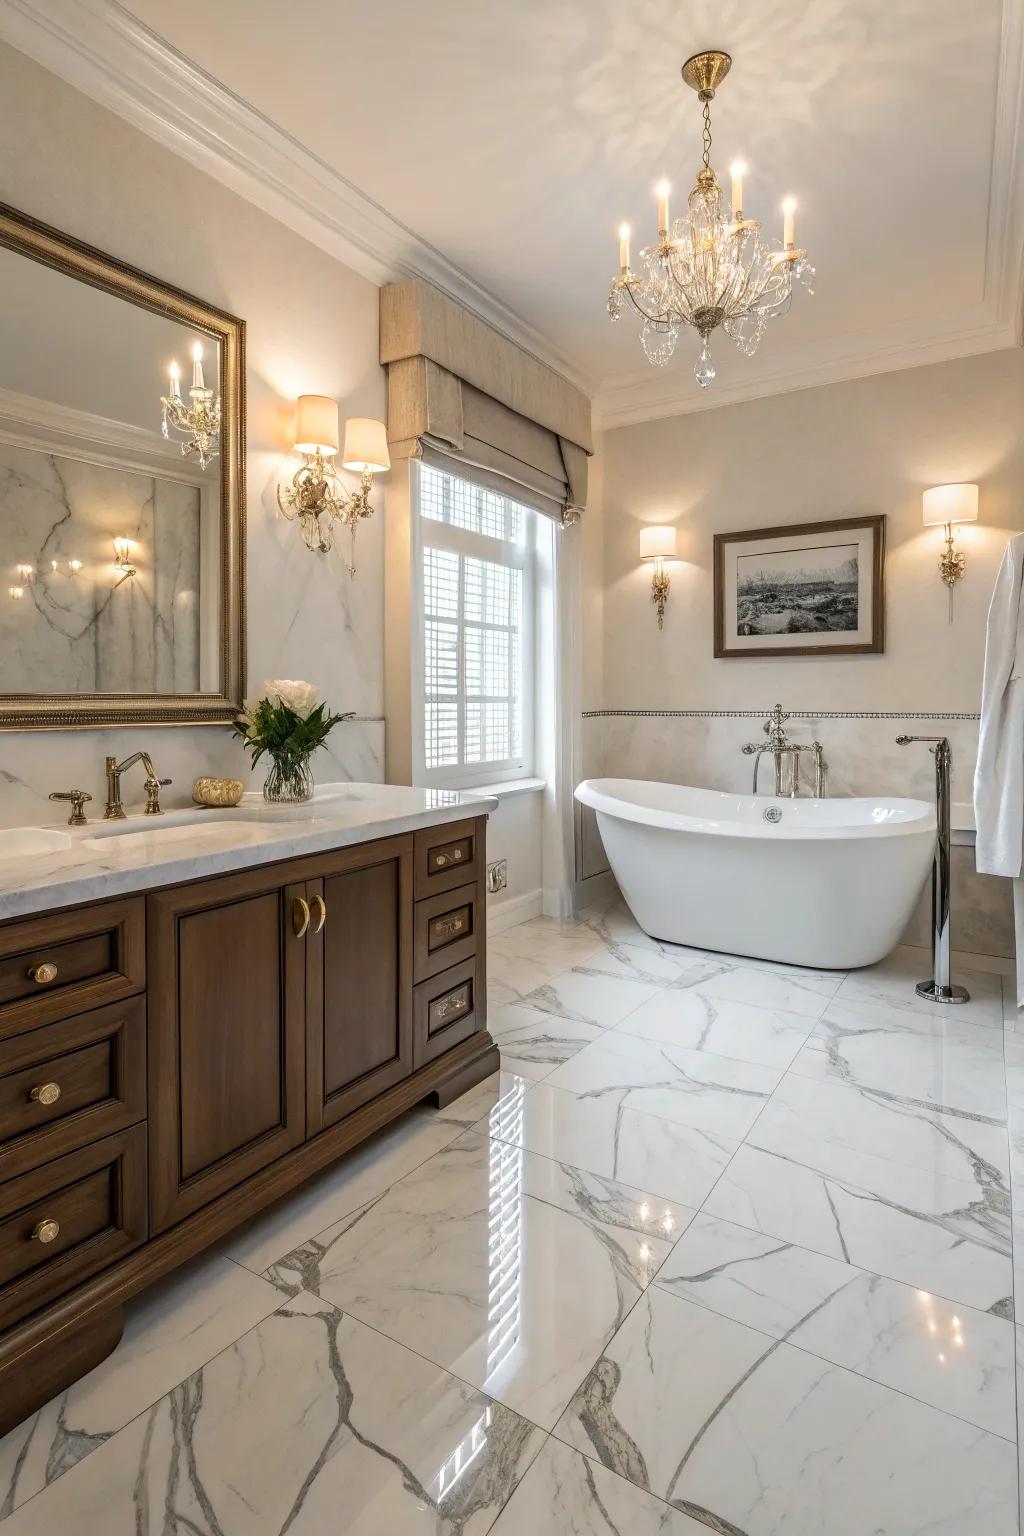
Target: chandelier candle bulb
<point x="663" y="190"/>
<point x="624" y="248"/>
<point x="198" y="382"/>
<point x="175" y="375"/>
<point x="789" y="222"/>
<point x="737" y="171"/>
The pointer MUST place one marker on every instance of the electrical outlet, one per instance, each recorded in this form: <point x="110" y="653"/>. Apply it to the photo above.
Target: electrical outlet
<point x="497" y="875"/>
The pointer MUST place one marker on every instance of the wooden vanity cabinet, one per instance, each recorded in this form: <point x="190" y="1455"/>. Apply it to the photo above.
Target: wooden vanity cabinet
<point x="172" y="1063"/>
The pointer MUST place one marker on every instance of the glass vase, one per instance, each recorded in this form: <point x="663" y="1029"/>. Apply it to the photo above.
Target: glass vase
<point x="289" y="783"/>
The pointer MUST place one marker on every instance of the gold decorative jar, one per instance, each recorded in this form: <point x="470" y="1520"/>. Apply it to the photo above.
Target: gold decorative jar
<point x="212" y="791"/>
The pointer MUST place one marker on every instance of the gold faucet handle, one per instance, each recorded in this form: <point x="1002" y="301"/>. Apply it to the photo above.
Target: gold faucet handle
<point x="77" y="797"/>
<point x="153" y="788"/>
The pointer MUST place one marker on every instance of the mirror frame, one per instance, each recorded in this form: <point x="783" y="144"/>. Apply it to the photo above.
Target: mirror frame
<point x="62" y="712"/>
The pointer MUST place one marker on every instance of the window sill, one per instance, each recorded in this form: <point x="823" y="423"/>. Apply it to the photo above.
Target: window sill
<point x="507" y="788"/>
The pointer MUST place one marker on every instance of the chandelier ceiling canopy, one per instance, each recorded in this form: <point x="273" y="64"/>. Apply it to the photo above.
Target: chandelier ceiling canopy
<point x="712" y="267"/>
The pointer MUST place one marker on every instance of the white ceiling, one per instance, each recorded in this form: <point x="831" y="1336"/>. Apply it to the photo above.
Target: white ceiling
<point x="514" y="138"/>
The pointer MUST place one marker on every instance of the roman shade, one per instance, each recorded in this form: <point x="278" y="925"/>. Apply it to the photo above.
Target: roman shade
<point x="464" y="398"/>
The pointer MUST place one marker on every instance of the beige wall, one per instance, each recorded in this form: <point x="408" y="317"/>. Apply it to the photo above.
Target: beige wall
<point x="871" y="445"/>
<point x="312" y="326"/>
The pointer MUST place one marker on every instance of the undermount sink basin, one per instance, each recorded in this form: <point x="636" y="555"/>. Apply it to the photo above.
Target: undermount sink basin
<point x="204" y="835"/>
<point x="21" y="842"/>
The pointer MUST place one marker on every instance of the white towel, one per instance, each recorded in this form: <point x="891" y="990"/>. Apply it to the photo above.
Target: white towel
<point x="999" y="773"/>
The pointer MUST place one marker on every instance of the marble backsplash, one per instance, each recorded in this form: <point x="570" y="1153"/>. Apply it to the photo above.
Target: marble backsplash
<point x="862" y="758"/>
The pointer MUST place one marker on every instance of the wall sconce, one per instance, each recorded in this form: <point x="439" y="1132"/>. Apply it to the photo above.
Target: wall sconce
<point x="123" y="557"/>
<point x="199" y="421"/>
<point x="316" y="497"/>
<point x="949" y="504"/>
<point x="658" y="543"/>
<point x="17" y="593"/>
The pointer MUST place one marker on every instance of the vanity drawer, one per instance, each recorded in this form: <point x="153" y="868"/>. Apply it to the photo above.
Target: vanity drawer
<point x="53" y="967"/>
<point x="446" y="1010"/>
<point x="68" y="1084"/>
<point x="67" y="1220"/>
<point x="445" y="931"/>
<point x="446" y="857"/>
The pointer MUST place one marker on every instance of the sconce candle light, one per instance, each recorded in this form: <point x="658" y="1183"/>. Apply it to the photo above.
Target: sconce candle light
<point x="199" y="420"/>
<point x="316" y="497"/>
<point x="123" y="557"/>
<point x="949" y="504"/>
<point x="658" y="543"/>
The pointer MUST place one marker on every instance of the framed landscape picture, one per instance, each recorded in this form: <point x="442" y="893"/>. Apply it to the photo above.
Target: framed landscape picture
<point x="812" y="589"/>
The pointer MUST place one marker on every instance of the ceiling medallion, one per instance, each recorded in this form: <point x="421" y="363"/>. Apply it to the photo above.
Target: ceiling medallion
<point x="713" y="266"/>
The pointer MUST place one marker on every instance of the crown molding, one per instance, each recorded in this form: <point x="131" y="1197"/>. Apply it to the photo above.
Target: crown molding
<point x="30" y="422"/>
<point x="105" y="52"/>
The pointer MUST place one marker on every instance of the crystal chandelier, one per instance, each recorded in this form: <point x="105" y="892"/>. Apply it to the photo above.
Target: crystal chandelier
<point x="199" y="420"/>
<point x="712" y="267"/>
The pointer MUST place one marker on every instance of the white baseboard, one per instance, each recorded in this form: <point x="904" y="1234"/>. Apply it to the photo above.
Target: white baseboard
<point x="518" y="909"/>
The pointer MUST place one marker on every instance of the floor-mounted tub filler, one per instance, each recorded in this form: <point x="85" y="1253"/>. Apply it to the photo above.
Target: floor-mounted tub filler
<point x="828" y="883"/>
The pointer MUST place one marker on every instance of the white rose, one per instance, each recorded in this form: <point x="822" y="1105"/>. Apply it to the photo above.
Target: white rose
<point x="299" y="696"/>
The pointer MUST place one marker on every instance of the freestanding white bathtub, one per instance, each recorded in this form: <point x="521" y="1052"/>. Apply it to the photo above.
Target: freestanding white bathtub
<point x="828" y="883"/>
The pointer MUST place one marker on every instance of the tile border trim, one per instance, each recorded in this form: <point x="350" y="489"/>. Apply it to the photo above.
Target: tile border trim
<point x="797" y="714"/>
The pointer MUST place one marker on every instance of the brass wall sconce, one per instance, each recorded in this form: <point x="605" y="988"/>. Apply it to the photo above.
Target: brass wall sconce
<point x="16" y="593"/>
<point x="316" y="497"/>
<point x="123" y="558"/>
<point x="949" y="504"/>
<point x="658" y="544"/>
<point x="199" y="420"/>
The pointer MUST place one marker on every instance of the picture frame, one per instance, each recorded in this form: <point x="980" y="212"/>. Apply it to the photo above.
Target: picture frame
<point x="802" y="589"/>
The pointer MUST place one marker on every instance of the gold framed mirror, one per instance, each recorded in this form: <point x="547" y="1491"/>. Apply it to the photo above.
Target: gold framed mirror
<point x="122" y="493"/>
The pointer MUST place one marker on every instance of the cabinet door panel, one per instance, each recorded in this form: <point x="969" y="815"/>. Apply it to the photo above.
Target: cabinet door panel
<point x="359" y="983"/>
<point x="227" y="1011"/>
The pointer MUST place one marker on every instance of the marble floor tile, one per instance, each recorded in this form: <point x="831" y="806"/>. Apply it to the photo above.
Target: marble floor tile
<point x="749" y="1434"/>
<point x="312" y="1424"/>
<point x="361" y="1175"/>
<point x="940" y="1352"/>
<point x="724" y="959"/>
<point x="533" y="1042"/>
<point x="802" y="992"/>
<point x="702" y="1023"/>
<point x="511" y="977"/>
<point x="893" y="980"/>
<point x="710" y="1093"/>
<point x="831" y="1126"/>
<point x="650" y="967"/>
<point x="601" y="1000"/>
<point x="943" y="1061"/>
<point x="913" y="1225"/>
<point x="615" y="925"/>
<point x="547" y="942"/>
<point x="467" y="1111"/>
<point x="674" y="1162"/>
<point x="510" y="1270"/>
<point x="566" y="1494"/>
<point x="169" y="1332"/>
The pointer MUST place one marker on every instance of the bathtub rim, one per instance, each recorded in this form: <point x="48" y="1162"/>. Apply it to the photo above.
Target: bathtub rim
<point x="596" y="794"/>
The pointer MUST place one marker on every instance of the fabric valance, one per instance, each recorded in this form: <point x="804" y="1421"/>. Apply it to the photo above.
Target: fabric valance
<point x="463" y="397"/>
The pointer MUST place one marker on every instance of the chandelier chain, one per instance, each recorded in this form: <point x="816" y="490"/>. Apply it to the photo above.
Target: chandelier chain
<point x="707" y="135"/>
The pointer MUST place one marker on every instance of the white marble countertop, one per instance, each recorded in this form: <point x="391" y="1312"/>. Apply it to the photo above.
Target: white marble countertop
<point x="117" y="858"/>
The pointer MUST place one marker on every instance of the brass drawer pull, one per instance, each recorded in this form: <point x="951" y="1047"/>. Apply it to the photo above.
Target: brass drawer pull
<point x="45" y="1093"/>
<point x="453" y="1003"/>
<point x="41" y="974"/>
<point x="46" y="1231"/>
<point x="300" y="916"/>
<point x="318" y="901"/>
<point x="449" y="856"/>
<point x="448" y="927"/>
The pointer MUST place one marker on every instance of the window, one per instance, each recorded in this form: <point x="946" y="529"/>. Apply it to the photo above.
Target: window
<point x="476" y="566"/>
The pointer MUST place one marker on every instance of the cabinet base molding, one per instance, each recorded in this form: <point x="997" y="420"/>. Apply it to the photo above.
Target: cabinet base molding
<point x="53" y="1364"/>
<point x="57" y="1345"/>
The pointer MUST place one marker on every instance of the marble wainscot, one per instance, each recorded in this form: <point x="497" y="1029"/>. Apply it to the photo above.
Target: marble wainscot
<point x="106" y="859"/>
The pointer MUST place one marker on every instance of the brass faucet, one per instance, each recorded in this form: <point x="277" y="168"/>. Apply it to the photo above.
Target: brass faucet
<point x="115" y="810"/>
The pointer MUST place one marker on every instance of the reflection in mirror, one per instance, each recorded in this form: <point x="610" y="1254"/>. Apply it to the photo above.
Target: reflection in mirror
<point x="110" y="534"/>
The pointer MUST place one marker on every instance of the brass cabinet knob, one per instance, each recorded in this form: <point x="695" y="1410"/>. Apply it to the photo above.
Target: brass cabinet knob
<point x="45" y="1093"/>
<point x="46" y="1231"/>
<point x="318" y="901"/>
<point x="41" y="974"/>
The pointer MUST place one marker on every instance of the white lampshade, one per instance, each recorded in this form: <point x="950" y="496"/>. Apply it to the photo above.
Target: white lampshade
<point x="950" y="504"/>
<point x="658" y="542"/>
<point x="366" y="445"/>
<point x="316" y="424"/>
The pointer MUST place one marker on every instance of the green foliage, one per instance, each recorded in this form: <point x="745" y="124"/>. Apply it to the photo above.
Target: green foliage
<point x="274" y="728"/>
